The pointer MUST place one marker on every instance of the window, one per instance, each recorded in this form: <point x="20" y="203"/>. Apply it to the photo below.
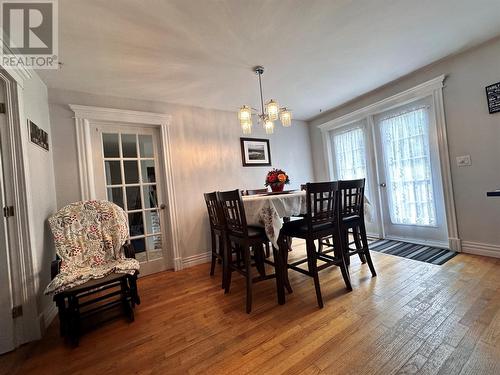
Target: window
<point x="349" y="154"/>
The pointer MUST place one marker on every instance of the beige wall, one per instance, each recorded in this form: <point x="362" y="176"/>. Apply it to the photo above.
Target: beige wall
<point x="42" y="188"/>
<point x="206" y="156"/>
<point x="471" y="130"/>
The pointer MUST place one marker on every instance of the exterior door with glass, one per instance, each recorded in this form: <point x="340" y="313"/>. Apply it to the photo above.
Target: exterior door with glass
<point x="409" y="175"/>
<point x="129" y="172"/>
<point x="351" y="151"/>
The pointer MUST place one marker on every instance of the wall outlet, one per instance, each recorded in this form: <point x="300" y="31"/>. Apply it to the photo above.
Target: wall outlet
<point x="464" y="161"/>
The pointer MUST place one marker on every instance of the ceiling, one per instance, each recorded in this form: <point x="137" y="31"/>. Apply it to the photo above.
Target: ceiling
<point x="317" y="54"/>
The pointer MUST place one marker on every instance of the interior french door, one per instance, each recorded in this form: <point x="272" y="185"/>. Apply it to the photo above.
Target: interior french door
<point x="409" y="176"/>
<point x="129" y="172"/>
<point x="397" y="152"/>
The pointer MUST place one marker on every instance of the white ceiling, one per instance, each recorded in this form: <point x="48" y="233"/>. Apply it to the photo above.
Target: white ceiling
<point x="317" y="54"/>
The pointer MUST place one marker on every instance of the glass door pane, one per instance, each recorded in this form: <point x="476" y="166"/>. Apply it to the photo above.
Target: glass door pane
<point x="350" y="154"/>
<point x="130" y="166"/>
<point x="407" y="164"/>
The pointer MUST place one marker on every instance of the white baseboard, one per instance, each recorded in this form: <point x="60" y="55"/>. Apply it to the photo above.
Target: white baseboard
<point x="478" y="248"/>
<point x="193" y="260"/>
<point x="47" y="316"/>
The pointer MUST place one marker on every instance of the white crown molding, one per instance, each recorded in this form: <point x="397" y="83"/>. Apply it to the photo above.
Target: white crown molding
<point x="119" y="115"/>
<point x="479" y="248"/>
<point x="415" y="93"/>
<point x="20" y="74"/>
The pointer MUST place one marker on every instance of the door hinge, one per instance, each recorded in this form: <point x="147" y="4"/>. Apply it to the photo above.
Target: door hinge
<point x="2" y="107"/>
<point x="8" y="211"/>
<point x="17" y="311"/>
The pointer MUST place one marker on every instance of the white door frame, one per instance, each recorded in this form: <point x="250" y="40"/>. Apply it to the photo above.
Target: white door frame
<point x="86" y="115"/>
<point x="25" y="286"/>
<point x="434" y="88"/>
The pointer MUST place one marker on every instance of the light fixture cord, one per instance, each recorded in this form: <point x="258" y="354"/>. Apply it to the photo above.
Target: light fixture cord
<point x="261" y="97"/>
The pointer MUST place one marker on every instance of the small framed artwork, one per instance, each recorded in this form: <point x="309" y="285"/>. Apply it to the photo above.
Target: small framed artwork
<point x="38" y="136"/>
<point x="255" y="152"/>
<point x="493" y="96"/>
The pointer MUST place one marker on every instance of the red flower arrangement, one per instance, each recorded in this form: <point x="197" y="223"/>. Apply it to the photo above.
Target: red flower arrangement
<point x="277" y="179"/>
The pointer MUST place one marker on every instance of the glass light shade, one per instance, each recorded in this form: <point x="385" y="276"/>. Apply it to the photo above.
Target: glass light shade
<point x="273" y="110"/>
<point x="245" y="114"/>
<point x="286" y="117"/>
<point x="269" y="126"/>
<point x="246" y="126"/>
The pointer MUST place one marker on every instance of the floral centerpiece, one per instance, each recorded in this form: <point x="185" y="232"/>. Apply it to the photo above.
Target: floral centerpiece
<point x="277" y="179"/>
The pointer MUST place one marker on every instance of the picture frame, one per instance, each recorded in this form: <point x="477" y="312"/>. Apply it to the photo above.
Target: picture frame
<point x="255" y="152"/>
<point x="493" y="97"/>
<point x="38" y="136"/>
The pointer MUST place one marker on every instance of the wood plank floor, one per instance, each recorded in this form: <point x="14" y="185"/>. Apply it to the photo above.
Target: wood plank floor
<point x="412" y="318"/>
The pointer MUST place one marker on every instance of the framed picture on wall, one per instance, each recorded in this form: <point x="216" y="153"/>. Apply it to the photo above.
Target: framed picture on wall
<point x="255" y="152"/>
<point x="38" y="136"/>
<point x="493" y="96"/>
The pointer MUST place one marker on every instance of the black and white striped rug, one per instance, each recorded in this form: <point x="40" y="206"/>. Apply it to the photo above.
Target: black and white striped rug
<point x="422" y="253"/>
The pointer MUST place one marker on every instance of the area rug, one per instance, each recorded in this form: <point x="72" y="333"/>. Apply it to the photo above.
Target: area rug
<point x="422" y="253"/>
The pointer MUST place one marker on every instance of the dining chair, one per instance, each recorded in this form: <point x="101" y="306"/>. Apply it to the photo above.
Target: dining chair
<point x="352" y="218"/>
<point x="217" y="233"/>
<point x="246" y="238"/>
<point x="256" y="191"/>
<point x="319" y="222"/>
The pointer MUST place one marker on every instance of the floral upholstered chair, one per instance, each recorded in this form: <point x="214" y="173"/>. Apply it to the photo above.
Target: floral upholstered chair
<point x="90" y="239"/>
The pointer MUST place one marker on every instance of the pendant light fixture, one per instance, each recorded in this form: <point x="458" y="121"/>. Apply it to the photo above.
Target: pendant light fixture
<point x="269" y="113"/>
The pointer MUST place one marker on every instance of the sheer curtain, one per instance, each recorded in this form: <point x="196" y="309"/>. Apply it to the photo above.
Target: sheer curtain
<point x="350" y="154"/>
<point x="405" y="144"/>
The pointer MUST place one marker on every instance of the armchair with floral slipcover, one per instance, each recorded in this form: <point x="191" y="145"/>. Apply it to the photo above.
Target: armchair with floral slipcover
<point x="95" y="269"/>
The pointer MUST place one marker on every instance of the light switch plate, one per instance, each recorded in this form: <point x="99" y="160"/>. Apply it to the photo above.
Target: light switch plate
<point x="464" y="161"/>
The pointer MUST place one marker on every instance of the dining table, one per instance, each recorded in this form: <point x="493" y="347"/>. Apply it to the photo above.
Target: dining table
<point x="269" y="211"/>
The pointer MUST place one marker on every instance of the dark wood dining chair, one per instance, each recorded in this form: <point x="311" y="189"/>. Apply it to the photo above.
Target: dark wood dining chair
<point x="319" y="222"/>
<point x="217" y="233"/>
<point x="352" y="220"/>
<point x="245" y="238"/>
<point x="256" y="191"/>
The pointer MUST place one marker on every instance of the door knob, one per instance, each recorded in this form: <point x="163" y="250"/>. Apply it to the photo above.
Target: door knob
<point x="383" y="184"/>
<point x="163" y="206"/>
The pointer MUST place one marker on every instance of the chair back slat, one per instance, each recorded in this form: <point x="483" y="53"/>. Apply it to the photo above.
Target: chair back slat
<point x="233" y="211"/>
<point x="352" y="193"/>
<point x="322" y="201"/>
<point x="215" y="214"/>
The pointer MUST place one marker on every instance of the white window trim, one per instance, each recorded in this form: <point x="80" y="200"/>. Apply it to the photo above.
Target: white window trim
<point x="84" y="115"/>
<point x="434" y="88"/>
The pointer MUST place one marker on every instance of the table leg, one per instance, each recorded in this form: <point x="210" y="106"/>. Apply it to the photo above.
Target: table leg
<point x="278" y="269"/>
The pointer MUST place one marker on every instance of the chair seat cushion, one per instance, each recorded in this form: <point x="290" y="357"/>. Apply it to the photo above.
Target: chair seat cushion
<point x="256" y="231"/>
<point x="351" y="218"/>
<point x="299" y="228"/>
<point x="96" y="283"/>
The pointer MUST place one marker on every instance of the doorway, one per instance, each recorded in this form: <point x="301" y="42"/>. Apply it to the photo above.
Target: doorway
<point x="397" y="151"/>
<point x="7" y="342"/>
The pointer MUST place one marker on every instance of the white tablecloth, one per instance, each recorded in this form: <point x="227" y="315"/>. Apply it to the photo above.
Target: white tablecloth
<point x="268" y="211"/>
